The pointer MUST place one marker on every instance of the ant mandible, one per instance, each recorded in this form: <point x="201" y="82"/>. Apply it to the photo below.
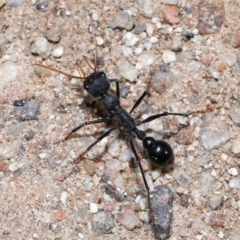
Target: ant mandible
<point x="97" y="85"/>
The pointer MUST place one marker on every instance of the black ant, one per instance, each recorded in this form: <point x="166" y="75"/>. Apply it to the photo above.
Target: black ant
<point x="97" y="85"/>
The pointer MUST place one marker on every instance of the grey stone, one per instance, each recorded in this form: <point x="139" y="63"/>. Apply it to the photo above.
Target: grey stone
<point x="146" y="7"/>
<point x="54" y="34"/>
<point x="127" y="70"/>
<point x="28" y="111"/>
<point x="216" y="202"/>
<point x="41" y="47"/>
<point x="176" y="45"/>
<point x="234" y="113"/>
<point x="161" y="211"/>
<point x="123" y="20"/>
<point x="214" y="132"/>
<point x="14" y="3"/>
<point x="103" y="222"/>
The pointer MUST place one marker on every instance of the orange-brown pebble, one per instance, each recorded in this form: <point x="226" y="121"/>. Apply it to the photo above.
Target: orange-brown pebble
<point x="236" y="39"/>
<point x="60" y="215"/>
<point x="2" y="166"/>
<point x="221" y="66"/>
<point x="170" y="14"/>
<point x="216" y="220"/>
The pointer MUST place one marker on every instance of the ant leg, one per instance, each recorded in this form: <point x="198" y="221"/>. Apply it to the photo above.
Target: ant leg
<point x="138" y="101"/>
<point x="153" y="117"/>
<point x="117" y="86"/>
<point x="78" y="159"/>
<point x="140" y="165"/>
<point x="83" y="124"/>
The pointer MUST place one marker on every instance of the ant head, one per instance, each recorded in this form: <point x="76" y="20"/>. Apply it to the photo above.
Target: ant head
<point x="96" y="84"/>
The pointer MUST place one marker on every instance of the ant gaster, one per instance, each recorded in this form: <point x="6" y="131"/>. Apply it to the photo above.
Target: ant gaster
<point x="97" y="85"/>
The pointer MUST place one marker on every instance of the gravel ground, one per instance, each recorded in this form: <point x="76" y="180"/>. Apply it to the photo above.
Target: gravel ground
<point x="185" y="52"/>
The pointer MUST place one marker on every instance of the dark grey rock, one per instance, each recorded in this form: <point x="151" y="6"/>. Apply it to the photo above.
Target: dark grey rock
<point x="114" y="193"/>
<point x="161" y="211"/>
<point x="29" y="135"/>
<point x="125" y="90"/>
<point x="42" y="6"/>
<point x="183" y="200"/>
<point x="28" y="111"/>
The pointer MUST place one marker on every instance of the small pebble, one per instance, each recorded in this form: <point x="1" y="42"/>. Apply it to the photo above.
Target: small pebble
<point x="28" y="111"/>
<point x="216" y="202"/>
<point x="185" y="136"/>
<point x="126" y="155"/>
<point x="147" y="44"/>
<point x="236" y="146"/>
<point x="123" y="20"/>
<point x="236" y="39"/>
<point x="89" y="167"/>
<point x="214" y="132"/>
<point x="184" y="200"/>
<point x="58" y="52"/>
<point x="114" y="193"/>
<point x="230" y="60"/>
<point x="63" y="197"/>
<point x="146" y="7"/>
<point x="3" y="166"/>
<point x="112" y="169"/>
<point x="14" y="3"/>
<point x="171" y="14"/>
<point x="233" y="171"/>
<point x="176" y="45"/>
<point x="216" y="220"/>
<point x="128" y="218"/>
<point x="41" y="47"/>
<point x="146" y="59"/>
<point x="128" y="71"/>
<point x="54" y="34"/>
<point x="93" y="207"/>
<point x="99" y="41"/>
<point x="95" y="16"/>
<point x="138" y="51"/>
<point x="169" y="2"/>
<point x="234" y="113"/>
<point x="144" y="216"/>
<point x="161" y="213"/>
<point x="42" y="6"/>
<point x="103" y="222"/>
<point x="130" y="39"/>
<point x="234" y="183"/>
<point x="60" y="215"/>
<point x="127" y="51"/>
<point x="42" y="155"/>
<point x="149" y="29"/>
<point x="168" y="56"/>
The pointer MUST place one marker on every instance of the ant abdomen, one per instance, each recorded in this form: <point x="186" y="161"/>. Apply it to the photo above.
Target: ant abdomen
<point x="159" y="152"/>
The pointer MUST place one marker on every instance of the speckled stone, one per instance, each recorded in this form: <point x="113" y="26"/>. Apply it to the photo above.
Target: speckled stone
<point x="211" y="17"/>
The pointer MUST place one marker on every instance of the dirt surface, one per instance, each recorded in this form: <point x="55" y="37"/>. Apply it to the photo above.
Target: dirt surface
<point x="45" y="196"/>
